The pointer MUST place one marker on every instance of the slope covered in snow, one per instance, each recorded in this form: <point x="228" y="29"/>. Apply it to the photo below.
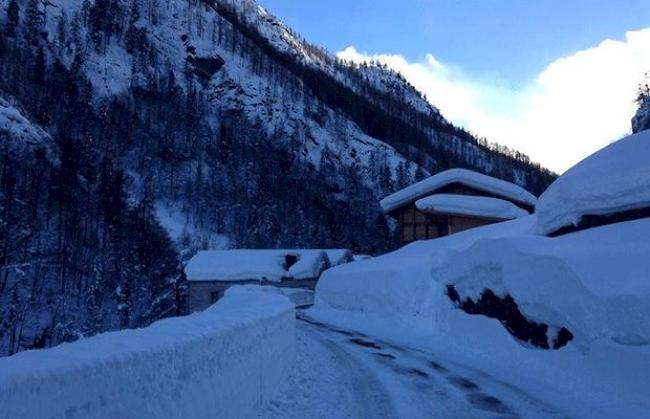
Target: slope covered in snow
<point x="18" y="134"/>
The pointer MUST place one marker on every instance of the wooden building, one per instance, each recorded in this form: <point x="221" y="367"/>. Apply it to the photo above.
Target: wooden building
<point x="454" y="201"/>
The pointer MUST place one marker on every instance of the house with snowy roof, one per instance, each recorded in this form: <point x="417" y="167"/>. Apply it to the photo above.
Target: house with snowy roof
<point x="455" y="200"/>
<point x="210" y="273"/>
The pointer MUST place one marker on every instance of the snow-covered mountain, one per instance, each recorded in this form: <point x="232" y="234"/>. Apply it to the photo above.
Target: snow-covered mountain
<point x="243" y="59"/>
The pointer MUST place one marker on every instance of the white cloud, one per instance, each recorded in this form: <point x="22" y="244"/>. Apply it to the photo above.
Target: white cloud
<point x="575" y="106"/>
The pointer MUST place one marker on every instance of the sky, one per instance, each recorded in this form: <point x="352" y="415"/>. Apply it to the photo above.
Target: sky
<point x="553" y="79"/>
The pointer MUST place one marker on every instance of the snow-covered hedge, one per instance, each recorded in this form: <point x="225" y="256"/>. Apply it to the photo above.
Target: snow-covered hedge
<point x="222" y="363"/>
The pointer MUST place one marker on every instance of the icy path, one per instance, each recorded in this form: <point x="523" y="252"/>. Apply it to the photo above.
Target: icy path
<point x="343" y="374"/>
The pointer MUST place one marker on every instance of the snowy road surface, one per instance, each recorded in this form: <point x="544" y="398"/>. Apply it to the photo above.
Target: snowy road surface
<point x="344" y="374"/>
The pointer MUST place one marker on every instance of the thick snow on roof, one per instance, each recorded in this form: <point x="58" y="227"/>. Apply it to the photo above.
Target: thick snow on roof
<point x="310" y="264"/>
<point x="242" y="265"/>
<point x="339" y="256"/>
<point x="615" y="179"/>
<point x="462" y="176"/>
<point x="476" y="206"/>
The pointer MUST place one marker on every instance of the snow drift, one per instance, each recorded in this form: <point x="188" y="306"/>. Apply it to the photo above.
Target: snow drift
<point x="224" y="362"/>
<point x="613" y="180"/>
<point x="400" y="283"/>
<point x="548" y="291"/>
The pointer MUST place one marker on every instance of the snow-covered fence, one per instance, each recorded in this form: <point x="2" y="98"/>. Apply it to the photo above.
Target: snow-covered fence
<point x="222" y="363"/>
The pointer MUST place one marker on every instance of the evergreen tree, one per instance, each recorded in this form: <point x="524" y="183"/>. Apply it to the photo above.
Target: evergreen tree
<point x="34" y="21"/>
<point x="13" y="18"/>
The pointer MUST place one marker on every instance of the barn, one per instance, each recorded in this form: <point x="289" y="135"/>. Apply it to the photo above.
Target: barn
<point x="453" y="201"/>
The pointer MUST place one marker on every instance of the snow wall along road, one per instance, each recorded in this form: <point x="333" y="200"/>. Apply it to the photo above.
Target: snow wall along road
<point x="222" y="363"/>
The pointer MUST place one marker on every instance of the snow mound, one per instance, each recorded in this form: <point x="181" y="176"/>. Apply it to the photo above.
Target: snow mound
<point x="399" y="284"/>
<point x="546" y="290"/>
<point x="463" y="176"/>
<point x="226" y="361"/>
<point x="244" y="265"/>
<point x="476" y="206"/>
<point x="613" y="180"/>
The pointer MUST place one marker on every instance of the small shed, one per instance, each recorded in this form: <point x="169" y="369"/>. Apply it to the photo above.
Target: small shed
<point x="455" y="200"/>
<point x="211" y="273"/>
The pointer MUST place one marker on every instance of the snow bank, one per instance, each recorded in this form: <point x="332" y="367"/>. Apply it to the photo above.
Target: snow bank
<point x="477" y="206"/>
<point x="270" y="265"/>
<point x="548" y="291"/>
<point x="300" y="297"/>
<point x="224" y="362"/>
<point x="399" y="283"/>
<point x="615" y="179"/>
<point x="465" y="177"/>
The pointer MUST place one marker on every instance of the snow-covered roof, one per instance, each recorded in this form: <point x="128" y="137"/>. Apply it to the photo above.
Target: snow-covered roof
<point x="476" y="206"/>
<point x="242" y="265"/>
<point x="465" y="177"/>
<point x="615" y="179"/>
<point x="339" y="256"/>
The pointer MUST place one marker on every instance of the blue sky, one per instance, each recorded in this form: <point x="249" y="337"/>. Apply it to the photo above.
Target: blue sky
<point x="493" y="58"/>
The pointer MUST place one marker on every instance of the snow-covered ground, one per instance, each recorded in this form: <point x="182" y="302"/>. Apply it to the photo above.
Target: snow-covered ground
<point x="341" y="373"/>
<point x="593" y="283"/>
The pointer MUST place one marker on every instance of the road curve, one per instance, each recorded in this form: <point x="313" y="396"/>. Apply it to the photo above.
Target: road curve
<point x="342" y="374"/>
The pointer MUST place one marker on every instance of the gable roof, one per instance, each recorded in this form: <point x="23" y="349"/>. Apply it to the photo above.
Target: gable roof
<point x="465" y="177"/>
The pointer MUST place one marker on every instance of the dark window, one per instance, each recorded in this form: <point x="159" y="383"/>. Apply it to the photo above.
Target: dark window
<point x="214" y="297"/>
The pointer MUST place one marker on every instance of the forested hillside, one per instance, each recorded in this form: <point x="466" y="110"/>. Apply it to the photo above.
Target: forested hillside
<point x="134" y="132"/>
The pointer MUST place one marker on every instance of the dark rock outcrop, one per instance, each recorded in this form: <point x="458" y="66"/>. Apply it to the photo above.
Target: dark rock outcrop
<point x="506" y="310"/>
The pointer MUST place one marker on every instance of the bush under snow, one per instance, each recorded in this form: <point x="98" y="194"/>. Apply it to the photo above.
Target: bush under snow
<point x="225" y="362"/>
